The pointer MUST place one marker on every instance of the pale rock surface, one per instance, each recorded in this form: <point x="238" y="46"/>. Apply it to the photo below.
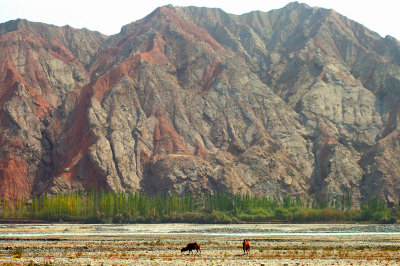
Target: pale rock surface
<point x="297" y="101"/>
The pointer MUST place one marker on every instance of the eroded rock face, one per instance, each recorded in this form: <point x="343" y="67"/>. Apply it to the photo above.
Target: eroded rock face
<point x="297" y="101"/>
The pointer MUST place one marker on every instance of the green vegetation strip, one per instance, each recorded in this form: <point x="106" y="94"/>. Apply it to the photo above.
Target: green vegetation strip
<point x="105" y="207"/>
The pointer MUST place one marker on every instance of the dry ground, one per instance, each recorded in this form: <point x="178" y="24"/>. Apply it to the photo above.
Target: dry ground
<point x="165" y="250"/>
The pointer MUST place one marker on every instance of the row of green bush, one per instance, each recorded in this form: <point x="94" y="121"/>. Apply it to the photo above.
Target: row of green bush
<point x="110" y="207"/>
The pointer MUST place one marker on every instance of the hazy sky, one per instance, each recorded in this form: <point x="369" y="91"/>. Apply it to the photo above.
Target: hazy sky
<point x="381" y="16"/>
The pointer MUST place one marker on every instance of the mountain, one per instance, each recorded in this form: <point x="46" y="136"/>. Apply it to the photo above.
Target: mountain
<point x="297" y="101"/>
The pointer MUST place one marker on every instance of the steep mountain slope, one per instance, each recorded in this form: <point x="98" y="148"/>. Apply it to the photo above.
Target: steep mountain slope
<point x="297" y="101"/>
<point x="41" y="68"/>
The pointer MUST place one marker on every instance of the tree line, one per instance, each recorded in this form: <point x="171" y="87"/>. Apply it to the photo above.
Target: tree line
<point x="133" y="207"/>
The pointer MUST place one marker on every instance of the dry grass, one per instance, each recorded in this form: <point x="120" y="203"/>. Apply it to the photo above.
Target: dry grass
<point x="162" y="251"/>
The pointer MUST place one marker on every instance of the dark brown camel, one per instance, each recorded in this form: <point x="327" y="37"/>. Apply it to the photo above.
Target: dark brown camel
<point x="191" y="246"/>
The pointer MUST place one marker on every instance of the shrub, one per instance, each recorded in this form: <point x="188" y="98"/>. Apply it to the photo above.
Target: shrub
<point x="117" y="218"/>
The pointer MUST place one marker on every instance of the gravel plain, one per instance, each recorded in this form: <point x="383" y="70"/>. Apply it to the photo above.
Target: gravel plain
<point x="63" y="244"/>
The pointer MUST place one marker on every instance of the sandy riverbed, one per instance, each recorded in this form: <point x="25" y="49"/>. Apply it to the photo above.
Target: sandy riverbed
<point x="220" y="245"/>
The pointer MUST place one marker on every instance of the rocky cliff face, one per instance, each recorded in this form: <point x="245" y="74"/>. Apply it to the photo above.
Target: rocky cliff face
<point x="297" y="101"/>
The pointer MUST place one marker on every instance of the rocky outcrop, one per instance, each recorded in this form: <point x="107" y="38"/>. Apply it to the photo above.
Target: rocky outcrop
<point x="41" y="68"/>
<point x="297" y="101"/>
